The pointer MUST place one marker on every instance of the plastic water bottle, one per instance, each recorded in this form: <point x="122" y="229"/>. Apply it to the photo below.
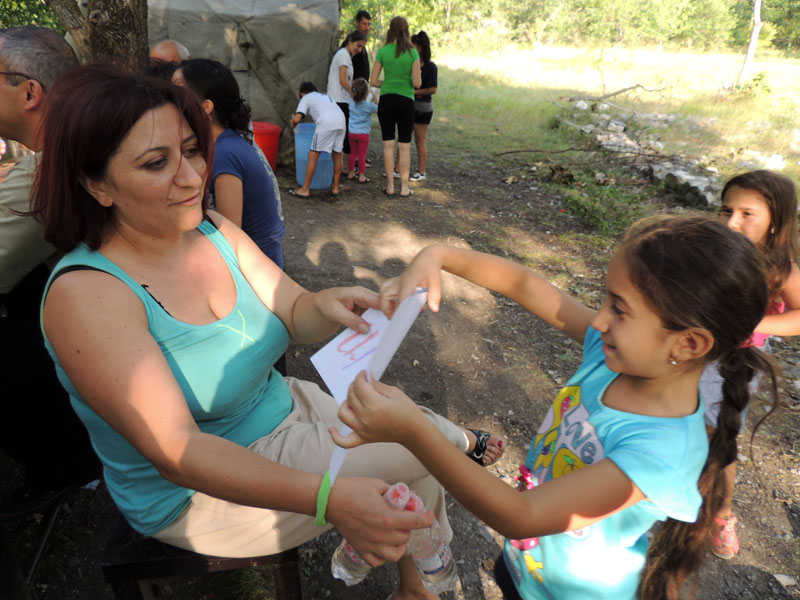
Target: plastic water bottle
<point x="431" y="553"/>
<point x="346" y="563"/>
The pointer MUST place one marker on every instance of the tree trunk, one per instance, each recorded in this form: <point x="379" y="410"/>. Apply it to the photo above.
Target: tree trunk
<point x="747" y="65"/>
<point x="113" y="30"/>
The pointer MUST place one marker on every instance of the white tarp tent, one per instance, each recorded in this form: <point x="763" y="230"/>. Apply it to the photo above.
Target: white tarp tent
<point x="271" y="46"/>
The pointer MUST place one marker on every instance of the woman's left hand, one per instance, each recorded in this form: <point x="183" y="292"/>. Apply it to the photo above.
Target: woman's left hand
<point x="377" y="413"/>
<point x="345" y="305"/>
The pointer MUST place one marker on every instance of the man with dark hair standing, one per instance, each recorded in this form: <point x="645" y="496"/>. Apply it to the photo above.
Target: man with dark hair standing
<point x="361" y="60"/>
<point x="38" y="428"/>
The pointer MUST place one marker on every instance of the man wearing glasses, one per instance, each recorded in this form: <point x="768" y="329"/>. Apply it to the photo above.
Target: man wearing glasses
<point x="37" y="426"/>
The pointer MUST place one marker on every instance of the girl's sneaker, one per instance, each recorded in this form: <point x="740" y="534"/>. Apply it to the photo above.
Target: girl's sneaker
<point x="724" y="542"/>
<point x="418" y="177"/>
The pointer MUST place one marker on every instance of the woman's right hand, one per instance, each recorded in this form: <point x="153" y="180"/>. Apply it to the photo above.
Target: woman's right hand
<point x="424" y="271"/>
<point x="357" y="510"/>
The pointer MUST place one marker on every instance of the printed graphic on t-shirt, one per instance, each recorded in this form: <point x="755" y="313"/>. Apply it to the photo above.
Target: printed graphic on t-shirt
<point x="565" y="442"/>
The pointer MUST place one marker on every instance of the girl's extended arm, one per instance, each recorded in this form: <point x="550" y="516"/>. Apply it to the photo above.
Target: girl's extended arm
<point x="492" y="272"/>
<point x="787" y="323"/>
<point x="378" y="412"/>
<point x="229" y="197"/>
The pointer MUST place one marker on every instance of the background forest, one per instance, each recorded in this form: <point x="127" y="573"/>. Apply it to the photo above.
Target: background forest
<point x="688" y="23"/>
<point x="698" y="24"/>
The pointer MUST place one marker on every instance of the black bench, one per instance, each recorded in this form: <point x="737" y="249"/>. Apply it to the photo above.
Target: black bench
<point x="131" y="559"/>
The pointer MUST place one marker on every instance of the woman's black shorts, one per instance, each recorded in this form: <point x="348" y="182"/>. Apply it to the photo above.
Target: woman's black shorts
<point x="396" y="110"/>
<point x="423" y="118"/>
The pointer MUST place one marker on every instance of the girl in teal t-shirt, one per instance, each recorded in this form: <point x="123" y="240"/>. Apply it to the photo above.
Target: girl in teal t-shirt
<point x="624" y="443"/>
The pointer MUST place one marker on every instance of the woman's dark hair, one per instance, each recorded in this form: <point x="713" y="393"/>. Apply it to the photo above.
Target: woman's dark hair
<point x="355" y="36"/>
<point x="307" y="87"/>
<point x="422" y="40"/>
<point x="90" y="112"/>
<point x="398" y="34"/>
<point x="695" y="272"/>
<point x="162" y="69"/>
<point x="211" y="80"/>
<point x="780" y="246"/>
<point x="360" y="89"/>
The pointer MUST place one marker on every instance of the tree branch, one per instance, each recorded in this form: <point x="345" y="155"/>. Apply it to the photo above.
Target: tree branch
<point x="609" y="95"/>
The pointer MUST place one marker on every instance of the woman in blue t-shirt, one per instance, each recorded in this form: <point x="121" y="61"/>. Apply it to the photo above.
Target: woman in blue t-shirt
<point x="243" y="185"/>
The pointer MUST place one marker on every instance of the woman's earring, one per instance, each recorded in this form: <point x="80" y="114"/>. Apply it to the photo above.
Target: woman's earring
<point x="772" y="230"/>
<point x="673" y="362"/>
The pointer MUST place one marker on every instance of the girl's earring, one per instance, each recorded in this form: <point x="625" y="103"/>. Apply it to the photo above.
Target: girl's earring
<point x="772" y="230"/>
<point x="673" y="362"/>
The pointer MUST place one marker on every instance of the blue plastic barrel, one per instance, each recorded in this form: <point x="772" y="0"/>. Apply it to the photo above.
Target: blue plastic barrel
<point x="323" y="176"/>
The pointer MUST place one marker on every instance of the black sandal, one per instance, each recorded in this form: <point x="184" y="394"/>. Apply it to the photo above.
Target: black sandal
<point x="481" y="442"/>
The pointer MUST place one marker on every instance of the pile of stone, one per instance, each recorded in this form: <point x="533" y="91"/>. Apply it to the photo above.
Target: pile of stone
<point x="684" y="178"/>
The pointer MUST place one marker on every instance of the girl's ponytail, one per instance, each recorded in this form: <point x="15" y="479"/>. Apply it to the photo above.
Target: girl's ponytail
<point x="678" y="548"/>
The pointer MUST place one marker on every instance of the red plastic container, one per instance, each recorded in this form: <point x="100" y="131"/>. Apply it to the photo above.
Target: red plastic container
<point x="267" y="136"/>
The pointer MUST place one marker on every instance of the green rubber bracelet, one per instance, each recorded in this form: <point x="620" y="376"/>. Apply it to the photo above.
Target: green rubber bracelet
<point x="322" y="499"/>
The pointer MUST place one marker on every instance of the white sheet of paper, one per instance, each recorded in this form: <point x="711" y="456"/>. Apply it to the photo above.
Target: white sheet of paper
<point x="340" y="360"/>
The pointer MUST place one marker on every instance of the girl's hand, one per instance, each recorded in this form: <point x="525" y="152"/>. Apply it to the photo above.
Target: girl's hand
<point x="358" y="511"/>
<point x="424" y="271"/>
<point x="345" y="305"/>
<point x="377" y="413"/>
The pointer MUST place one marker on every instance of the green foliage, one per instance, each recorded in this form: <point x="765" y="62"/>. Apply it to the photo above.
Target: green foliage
<point x="14" y="13"/>
<point x="784" y="16"/>
<point x="608" y="209"/>
<point x="484" y="25"/>
<point x="755" y="87"/>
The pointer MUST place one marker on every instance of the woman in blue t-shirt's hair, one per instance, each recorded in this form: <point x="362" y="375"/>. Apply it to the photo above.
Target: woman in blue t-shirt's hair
<point x="243" y="186"/>
<point x="624" y="444"/>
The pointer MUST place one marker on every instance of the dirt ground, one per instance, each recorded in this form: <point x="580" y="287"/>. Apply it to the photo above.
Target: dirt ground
<point x="481" y="361"/>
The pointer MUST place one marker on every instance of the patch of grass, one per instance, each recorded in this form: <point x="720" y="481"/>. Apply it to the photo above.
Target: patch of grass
<point x="610" y="210"/>
<point x="717" y="120"/>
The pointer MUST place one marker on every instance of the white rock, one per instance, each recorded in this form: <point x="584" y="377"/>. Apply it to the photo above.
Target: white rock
<point x="785" y="580"/>
<point x="581" y="105"/>
<point x="616" y="126"/>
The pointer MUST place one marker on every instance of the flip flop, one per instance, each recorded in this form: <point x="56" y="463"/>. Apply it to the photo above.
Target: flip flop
<point x="293" y="192"/>
<point x="410" y="193"/>
<point x="479" y="450"/>
<point x="366" y="180"/>
<point x="387" y="193"/>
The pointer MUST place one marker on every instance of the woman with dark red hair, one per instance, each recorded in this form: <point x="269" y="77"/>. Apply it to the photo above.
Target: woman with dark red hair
<point x="164" y="321"/>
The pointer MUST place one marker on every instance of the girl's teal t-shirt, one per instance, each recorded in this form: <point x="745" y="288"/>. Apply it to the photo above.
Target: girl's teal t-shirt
<point x="662" y="456"/>
<point x="224" y="369"/>
<point x="397" y="70"/>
